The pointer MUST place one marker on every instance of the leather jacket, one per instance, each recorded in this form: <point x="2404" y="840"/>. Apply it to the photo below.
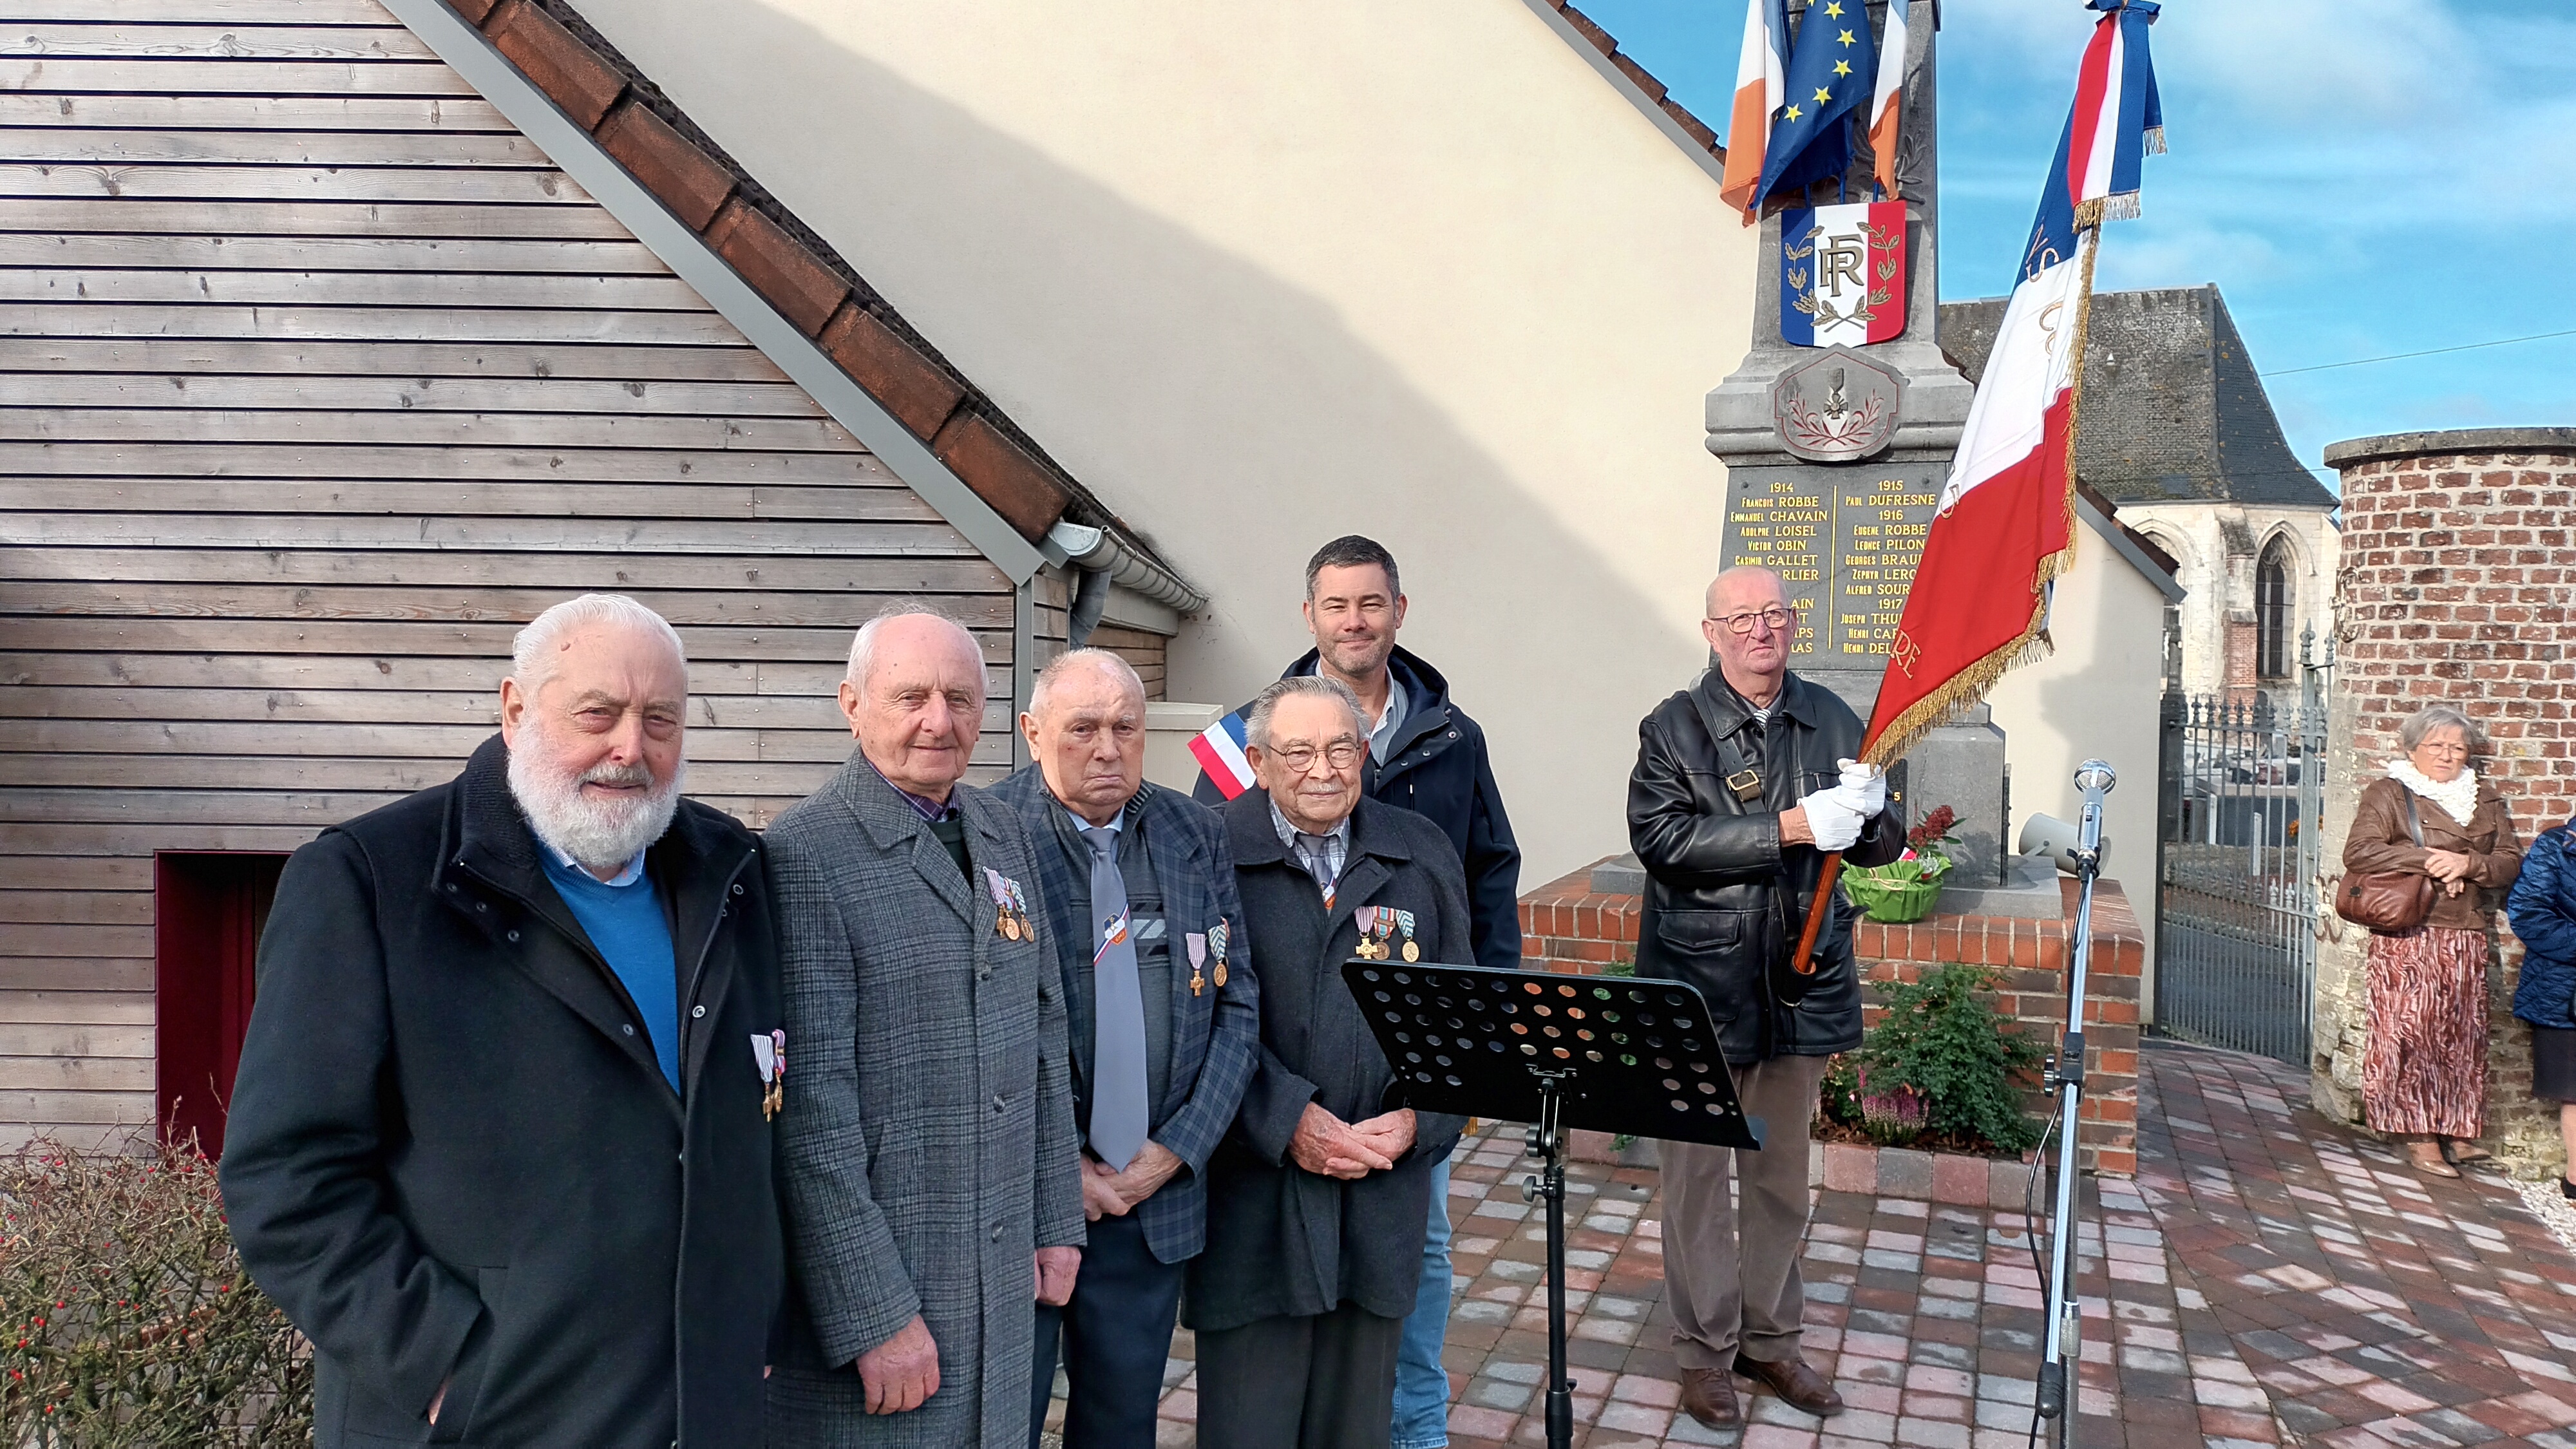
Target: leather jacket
<point x="1724" y="900"/>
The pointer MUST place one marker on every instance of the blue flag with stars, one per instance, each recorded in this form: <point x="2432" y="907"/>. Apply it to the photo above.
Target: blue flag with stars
<point x="1831" y="72"/>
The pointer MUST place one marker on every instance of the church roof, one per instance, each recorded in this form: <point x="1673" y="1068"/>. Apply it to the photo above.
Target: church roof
<point x="2173" y="409"/>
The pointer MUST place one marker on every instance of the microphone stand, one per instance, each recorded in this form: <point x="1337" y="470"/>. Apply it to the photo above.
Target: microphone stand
<point x="2065" y="1076"/>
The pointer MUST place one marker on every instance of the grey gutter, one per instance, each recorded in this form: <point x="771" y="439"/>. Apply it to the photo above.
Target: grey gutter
<point x="1100" y="550"/>
<point x="518" y="99"/>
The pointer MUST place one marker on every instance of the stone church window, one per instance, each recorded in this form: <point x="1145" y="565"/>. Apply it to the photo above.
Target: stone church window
<point x="2272" y="613"/>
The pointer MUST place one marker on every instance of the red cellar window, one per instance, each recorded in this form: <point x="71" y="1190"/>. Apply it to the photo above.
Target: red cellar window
<point x="207" y="913"/>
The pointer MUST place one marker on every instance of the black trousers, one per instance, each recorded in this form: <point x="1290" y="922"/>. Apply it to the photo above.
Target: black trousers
<point x="1320" y="1382"/>
<point x="1117" y="1335"/>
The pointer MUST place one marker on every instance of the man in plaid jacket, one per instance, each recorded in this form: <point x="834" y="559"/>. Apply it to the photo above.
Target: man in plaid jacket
<point x="1137" y="897"/>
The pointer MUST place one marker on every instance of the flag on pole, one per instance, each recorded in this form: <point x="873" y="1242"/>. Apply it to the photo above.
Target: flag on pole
<point x="1831" y="69"/>
<point x="2006" y="521"/>
<point x="1887" y="103"/>
<point x="2118" y="120"/>
<point x="1759" y="75"/>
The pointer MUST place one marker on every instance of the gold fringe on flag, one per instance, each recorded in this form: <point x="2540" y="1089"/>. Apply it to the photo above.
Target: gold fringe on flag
<point x="1966" y="689"/>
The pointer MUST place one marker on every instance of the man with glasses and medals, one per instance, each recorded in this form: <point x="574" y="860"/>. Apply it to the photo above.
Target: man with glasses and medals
<point x="1318" y="1199"/>
<point x="1425" y="755"/>
<point x="1744" y="782"/>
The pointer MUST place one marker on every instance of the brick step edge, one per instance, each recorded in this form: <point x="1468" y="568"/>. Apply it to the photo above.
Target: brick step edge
<point x="1902" y="1172"/>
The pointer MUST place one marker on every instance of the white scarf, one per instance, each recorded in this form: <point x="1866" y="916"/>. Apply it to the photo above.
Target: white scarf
<point x="2457" y="796"/>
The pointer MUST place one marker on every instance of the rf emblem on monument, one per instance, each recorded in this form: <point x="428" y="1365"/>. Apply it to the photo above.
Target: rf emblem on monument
<point x="1842" y="274"/>
<point x="1837" y="407"/>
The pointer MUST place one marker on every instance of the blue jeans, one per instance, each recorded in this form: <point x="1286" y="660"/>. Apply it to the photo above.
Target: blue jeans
<point x="1421" y="1384"/>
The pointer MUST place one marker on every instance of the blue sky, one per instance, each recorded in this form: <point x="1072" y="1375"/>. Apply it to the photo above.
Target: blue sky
<point x="2359" y="179"/>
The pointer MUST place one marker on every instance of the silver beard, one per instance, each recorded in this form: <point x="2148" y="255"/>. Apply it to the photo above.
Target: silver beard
<point x="599" y="835"/>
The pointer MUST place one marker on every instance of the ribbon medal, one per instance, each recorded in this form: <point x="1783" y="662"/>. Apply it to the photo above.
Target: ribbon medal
<point x="1217" y="937"/>
<point x="769" y="1053"/>
<point x="1020" y="910"/>
<point x="1404" y="923"/>
<point x="1366" y="918"/>
<point x="1004" y="924"/>
<point x="1198" y="945"/>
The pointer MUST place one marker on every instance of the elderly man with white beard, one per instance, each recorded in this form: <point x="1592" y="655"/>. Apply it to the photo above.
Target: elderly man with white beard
<point x="501" y="1141"/>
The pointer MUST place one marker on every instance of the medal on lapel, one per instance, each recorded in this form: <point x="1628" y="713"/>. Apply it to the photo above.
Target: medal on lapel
<point x="1365" y="917"/>
<point x="1404" y="923"/>
<point x="1020" y="911"/>
<point x="1217" y="936"/>
<point x="1198" y="945"/>
<point x="769" y="1053"/>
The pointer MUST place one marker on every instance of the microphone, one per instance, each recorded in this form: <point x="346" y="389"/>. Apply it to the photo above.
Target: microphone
<point x="2095" y="778"/>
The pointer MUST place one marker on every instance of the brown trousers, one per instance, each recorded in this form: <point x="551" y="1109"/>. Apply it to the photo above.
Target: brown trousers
<point x="1735" y="1285"/>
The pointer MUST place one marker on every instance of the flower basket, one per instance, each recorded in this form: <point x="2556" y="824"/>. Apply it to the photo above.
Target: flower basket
<point x="1892" y="901"/>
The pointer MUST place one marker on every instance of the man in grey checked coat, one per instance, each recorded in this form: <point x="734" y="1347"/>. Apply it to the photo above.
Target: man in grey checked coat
<point x="1165" y="1027"/>
<point x="932" y="1170"/>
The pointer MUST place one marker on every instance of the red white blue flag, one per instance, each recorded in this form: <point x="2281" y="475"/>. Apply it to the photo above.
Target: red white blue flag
<point x="1887" y="97"/>
<point x="1219" y="751"/>
<point x="1842" y="274"/>
<point x="1761" y="72"/>
<point x="2006" y="522"/>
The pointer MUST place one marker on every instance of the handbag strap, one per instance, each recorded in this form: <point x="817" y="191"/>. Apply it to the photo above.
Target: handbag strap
<point x="2414" y="823"/>
<point x="1744" y="786"/>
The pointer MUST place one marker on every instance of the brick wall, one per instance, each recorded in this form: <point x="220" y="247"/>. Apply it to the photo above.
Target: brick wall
<point x="2457" y="561"/>
<point x="1567" y="926"/>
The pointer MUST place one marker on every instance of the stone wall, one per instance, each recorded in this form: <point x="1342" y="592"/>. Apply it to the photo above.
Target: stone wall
<point x="1569" y="925"/>
<point x="2456" y="565"/>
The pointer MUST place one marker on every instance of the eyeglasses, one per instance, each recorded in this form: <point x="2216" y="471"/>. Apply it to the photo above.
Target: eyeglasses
<point x="1774" y="618"/>
<point x="1297" y="760"/>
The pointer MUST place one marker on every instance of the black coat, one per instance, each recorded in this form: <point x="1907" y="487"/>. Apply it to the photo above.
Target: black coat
<point x="1437" y="768"/>
<point x="450" y="1156"/>
<point x="1716" y="915"/>
<point x="1280" y="1239"/>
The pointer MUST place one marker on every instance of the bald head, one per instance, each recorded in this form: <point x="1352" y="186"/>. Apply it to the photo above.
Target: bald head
<point x="1086" y="731"/>
<point x="1752" y="625"/>
<point x="914" y="697"/>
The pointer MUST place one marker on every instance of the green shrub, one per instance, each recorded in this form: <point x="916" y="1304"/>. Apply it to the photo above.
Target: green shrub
<point x="1941" y="1039"/>
<point x="125" y="1316"/>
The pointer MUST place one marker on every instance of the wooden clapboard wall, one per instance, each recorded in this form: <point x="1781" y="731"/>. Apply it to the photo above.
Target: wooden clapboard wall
<point x="316" y="379"/>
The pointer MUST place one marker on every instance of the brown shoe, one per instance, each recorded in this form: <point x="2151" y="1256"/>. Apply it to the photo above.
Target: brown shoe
<point x="1797" y="1384"/>
<point x="2425" y="1156"/>
<point x="1708" y="1395"/>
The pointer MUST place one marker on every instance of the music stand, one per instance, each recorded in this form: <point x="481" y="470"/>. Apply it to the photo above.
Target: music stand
<point x="1607" y="1053"/>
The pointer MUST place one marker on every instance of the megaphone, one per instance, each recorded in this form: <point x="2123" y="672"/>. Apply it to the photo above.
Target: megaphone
<point x="2046" y="835"/>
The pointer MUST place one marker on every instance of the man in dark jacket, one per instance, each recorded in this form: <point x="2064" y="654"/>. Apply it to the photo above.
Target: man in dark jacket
<point x="1427" y="756"/>
<point x="1141" y="914"/>
<point x="1317" y="1200"/>
<point x="500" y="1141"/>
<point x="1743" y="783"/>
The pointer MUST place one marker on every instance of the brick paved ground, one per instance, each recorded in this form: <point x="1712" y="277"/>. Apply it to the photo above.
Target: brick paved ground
<point x="2269" y="1278"/>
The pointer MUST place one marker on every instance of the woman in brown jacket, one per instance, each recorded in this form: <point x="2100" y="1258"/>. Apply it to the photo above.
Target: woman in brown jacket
<point x="2424" y="1076"/>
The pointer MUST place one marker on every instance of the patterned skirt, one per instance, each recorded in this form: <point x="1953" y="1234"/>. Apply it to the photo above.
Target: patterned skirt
<point x="2426" y="1067"/>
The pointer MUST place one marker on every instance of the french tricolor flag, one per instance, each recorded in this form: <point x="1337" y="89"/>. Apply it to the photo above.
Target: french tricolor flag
<point x="2006" y="522"/>
<point x="1761" y="74"/>
<point x="1219" y="751"/>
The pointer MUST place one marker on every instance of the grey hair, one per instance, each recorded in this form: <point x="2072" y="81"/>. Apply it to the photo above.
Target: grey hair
<point x="2441" y="716"/>
<point x="1073" y="659"/>
<point x="863" y="649"/>
<point x="1742" y="569"/>
<point x="534" y="657"/>
<point x="1256" y="720"/>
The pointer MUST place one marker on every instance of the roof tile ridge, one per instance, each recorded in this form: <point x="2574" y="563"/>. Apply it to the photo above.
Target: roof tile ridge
<point x="1644" y="79"/>
<point x="783" y="259"/>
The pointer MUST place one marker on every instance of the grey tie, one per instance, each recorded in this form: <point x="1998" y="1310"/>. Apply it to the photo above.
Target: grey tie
<point x="1318" y="850"/>
<point x="1118" y="1109"/>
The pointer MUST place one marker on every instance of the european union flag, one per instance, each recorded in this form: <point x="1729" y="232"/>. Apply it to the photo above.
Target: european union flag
<point x="1831" y="72"/>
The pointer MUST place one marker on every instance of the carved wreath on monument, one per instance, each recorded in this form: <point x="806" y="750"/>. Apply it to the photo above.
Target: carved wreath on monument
<point x="1837" y="407"/>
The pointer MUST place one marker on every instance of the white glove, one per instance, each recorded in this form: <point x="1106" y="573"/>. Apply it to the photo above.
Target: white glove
<point x="1870" y="780"/>
<point x="1832" y="817"/>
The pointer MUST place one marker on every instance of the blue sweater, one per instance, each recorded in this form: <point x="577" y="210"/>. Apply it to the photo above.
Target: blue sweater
<point x="2542" y="908"/>
<point x="627" y="925"/>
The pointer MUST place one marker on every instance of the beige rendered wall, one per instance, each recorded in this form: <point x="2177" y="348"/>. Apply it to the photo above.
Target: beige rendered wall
<point x="2094" y="697"/>
<point x="1260" y="274"/>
